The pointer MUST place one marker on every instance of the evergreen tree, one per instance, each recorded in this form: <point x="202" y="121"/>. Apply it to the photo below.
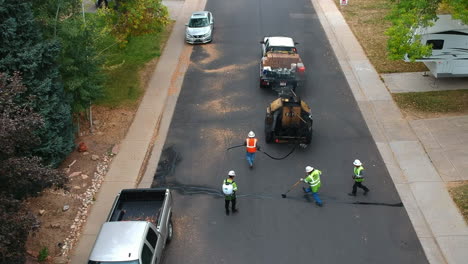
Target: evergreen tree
<point x="79" y="64"/>
<point x="23" y="49"/>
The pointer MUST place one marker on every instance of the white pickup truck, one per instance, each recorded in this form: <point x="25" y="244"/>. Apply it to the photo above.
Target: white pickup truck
<point x="137" y="229"/>
<point x="280" y="65"/>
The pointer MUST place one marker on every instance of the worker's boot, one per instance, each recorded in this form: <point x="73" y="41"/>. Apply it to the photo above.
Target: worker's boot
<point x="319" y="204"/>
<point x="351" y="194"/>
<point x="235" y="210"/>
<point x="366" y="191"/>
<point x="227" y="212"/>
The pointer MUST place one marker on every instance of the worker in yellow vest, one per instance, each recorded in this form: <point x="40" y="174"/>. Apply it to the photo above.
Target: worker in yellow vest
<point x="313" y="179"/>
<point x="358" y="177"/>
<point x="229" y="190"/>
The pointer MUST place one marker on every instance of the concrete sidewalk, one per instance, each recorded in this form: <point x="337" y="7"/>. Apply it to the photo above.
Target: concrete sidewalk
<point x="128" y="166"/>
<point x="419" y="82"/>
<point x="439" y="225"/>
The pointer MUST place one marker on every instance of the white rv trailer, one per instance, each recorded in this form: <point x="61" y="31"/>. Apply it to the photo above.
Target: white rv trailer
<point x="449" y="39"/>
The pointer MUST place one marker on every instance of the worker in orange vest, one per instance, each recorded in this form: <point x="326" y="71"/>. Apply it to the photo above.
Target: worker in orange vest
<point x="251" y="148"/>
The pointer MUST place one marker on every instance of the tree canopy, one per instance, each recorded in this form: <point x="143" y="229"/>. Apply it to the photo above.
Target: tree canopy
<point x="134" y="17"/>
<point x="22" y="49"/>
<point x="407" y="15"/>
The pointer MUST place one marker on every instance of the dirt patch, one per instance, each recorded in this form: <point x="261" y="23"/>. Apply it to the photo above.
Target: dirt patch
<point x="56" y="222"/>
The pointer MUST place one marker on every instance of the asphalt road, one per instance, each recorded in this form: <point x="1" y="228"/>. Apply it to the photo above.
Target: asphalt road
<point x="221" y="102"/>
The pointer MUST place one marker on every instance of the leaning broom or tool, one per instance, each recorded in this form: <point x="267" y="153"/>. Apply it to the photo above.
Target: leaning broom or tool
<point x="292" y="187"/>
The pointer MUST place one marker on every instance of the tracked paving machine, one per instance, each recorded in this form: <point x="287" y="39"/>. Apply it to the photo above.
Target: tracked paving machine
<point x="288" y="119"/>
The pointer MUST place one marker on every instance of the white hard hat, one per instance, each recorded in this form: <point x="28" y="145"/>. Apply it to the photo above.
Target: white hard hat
<point x="251" y="134"/>
<point x="232" y="173"/>
<point x="357" y="163"/>
<point x="309" y="169"/>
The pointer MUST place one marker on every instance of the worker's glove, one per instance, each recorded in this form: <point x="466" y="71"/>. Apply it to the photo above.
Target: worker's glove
<point x="301" y="179"/>
<point x="354" y="176"/>
<point x="310" y="117"/>
<point x="258" y="148"/>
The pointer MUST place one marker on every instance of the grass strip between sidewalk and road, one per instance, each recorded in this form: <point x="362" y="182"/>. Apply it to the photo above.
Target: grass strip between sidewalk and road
<point x="454" y="101"/>
<point x="123" y="83"/>
<point x="366" y="18"/>
<point x="460" y="197"/>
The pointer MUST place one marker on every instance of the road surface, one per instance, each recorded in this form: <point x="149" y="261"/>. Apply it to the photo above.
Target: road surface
<point x="221" y="102"/>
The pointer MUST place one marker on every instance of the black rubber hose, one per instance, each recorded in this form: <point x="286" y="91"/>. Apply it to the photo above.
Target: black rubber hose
<point x="292" y="150"/>
<point x="234" y="147"/>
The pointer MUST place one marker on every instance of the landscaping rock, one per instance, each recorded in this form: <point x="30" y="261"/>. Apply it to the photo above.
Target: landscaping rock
<point x="82" y="147"/>
<point x="65" y="208"/>
<point x="85" y="153"/>
<point x="73" y="174"/>
<point x="115" y="149"/>
<point x="41" y="212"/>
<point x="96" y="122"/>
<point x="94" y="157"/>
<point x="84" y="176"/>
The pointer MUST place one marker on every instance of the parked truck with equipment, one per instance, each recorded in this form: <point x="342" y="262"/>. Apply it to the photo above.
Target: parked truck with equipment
<point x="137" y="229"/>
<point x="281" y="65"/>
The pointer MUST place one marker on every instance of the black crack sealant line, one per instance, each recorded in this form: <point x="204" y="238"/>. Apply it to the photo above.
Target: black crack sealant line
<point x="193" y="190"/>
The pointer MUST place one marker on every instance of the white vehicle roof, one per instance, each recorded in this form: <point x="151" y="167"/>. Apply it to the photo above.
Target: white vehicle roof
<point x="119" y="241"/>
<point x="443" y="24"/>
<point x="280" y="42"/>
<point x="199" y="14"/>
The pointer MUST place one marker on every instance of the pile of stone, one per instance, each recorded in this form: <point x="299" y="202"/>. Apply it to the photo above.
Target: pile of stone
<point x="87" y="199"/>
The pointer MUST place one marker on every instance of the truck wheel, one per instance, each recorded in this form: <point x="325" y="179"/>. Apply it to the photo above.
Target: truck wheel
<point x="170" y="232"/>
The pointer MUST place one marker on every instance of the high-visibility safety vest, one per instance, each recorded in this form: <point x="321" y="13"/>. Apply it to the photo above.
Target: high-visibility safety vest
<point x="251" y="145"/>
<point x="229" y="181"/>
<point x="313" y="179"/>
<point x="357" y="174"/>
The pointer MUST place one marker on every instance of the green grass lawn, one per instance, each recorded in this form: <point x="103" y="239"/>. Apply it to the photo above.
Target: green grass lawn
<point x="460" y="197"/>
<point x="434" y="102"/>
<point x="122" y="67"/>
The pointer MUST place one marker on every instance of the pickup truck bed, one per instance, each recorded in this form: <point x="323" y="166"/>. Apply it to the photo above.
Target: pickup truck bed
<point x="279" y="60"/>
<point x="137" y="229"/>
<point x="141" y="205"/>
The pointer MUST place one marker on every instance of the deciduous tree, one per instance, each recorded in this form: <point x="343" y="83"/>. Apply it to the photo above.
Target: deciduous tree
<point x="79" y="64"/>
<point x="21" y="174"/>
<point x="15" y="225"/>
<point x="135" y="17"/>
<point x="408" y="15"/>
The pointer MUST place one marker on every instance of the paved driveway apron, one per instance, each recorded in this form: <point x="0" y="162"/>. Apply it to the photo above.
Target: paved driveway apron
<point x="220" y="102"/>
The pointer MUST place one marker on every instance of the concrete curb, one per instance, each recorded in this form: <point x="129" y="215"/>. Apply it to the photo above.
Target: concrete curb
<point x="438" y="224"/>
<point x="151" y="123"/>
